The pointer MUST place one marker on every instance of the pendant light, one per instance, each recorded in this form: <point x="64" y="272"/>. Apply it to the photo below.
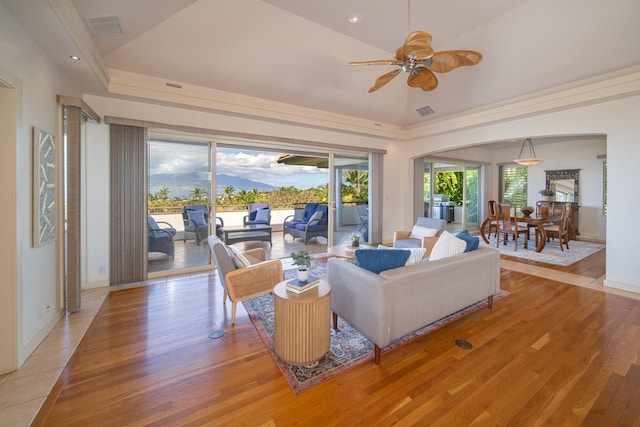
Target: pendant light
<point x="532" y="159"/>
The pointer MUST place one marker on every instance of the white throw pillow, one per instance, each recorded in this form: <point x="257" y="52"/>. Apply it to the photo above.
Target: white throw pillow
<point x="416" y="253"/>
<point x="446" y="246"/>
<point x="315" y="218"/>
<point x="418" y="232"/>
<point x="239" y="259"/>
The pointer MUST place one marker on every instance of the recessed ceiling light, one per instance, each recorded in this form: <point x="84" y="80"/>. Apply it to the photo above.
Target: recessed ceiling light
<point x="355" y="18"/>
<point x="75" y="57"/>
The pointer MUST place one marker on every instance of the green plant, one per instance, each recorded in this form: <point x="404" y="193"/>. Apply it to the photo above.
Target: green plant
<point x="302" y="259"/>
<point x="355" y="237"/>
<point x="547" y="192"/>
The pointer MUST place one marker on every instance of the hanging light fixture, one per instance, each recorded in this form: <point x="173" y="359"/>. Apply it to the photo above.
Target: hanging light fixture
<point x="532" y="159"/>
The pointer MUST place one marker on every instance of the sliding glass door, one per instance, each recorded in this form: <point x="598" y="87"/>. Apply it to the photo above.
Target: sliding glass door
<point x="349" y="198"/>
<point x="179" y="204"/>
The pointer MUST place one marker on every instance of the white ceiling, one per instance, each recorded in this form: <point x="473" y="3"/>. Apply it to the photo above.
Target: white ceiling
<point x="296" y="51"/>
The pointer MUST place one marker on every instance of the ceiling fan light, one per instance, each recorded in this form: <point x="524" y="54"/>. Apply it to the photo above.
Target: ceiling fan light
<point x="532" y="159"/>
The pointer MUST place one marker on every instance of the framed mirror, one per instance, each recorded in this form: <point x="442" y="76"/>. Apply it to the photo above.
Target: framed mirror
<point x="565" y="183"/>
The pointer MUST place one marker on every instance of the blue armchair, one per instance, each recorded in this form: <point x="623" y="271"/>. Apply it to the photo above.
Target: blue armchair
<point x="259" y="213"/>
<point x="307" y="223"/>
<point x="196" y="223"/>
<point x="160" y="239"/>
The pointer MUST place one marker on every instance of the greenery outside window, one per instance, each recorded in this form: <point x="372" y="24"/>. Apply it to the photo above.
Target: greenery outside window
<point x="514" y="184"/>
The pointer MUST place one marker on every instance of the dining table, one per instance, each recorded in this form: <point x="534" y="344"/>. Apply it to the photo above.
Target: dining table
<point x="531" y="220"/>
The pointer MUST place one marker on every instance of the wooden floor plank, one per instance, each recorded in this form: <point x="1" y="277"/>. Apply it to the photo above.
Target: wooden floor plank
<point x="549" y="353"/>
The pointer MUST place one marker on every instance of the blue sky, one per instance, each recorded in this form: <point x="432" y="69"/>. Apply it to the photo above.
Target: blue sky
<point x="254" y="165"/>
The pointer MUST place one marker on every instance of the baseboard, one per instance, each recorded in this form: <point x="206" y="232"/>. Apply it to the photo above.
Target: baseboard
<point x="622" y="286"/>
<point x="592" y="239"/>
<point x="41" y="335"/>
<point x="96" y="284"/>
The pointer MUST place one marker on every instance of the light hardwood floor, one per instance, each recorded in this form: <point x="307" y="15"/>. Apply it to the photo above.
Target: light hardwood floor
<point x="551" y="353"/>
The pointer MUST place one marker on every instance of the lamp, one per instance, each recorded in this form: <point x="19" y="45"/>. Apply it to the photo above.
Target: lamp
<point x="532" y="159"/>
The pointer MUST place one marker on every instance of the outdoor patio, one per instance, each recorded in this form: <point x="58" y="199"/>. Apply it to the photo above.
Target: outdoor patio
<point x="188" y="254"/>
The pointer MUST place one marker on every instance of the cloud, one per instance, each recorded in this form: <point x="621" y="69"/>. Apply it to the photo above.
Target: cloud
<point x="170" y="157"/>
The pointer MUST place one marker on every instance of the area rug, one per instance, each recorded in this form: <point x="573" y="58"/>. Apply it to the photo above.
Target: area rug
<point x="349" y="348"/>
<point x="551" y="254"/>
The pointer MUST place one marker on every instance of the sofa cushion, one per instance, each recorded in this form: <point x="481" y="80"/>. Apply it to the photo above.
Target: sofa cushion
<point x="416" y="253"/>
<point x="446" y="246"/>
<point x="407" y="243"/>
<point x="378" y="261"/>
<point x="418" y="232"/>
<point x="309" y="210"/>
<point x="472" y="241"/>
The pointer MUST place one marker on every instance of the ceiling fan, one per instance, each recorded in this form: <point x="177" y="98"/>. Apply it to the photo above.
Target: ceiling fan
<point x="417" y="58"/>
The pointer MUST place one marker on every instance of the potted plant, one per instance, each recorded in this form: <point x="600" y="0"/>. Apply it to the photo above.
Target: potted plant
<point x="303" y="260"/>
<point x="355" y="239"/>
<point x="546" y="193"/>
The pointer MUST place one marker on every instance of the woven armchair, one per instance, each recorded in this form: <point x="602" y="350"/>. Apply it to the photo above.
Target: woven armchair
<point x="257" y="278"/>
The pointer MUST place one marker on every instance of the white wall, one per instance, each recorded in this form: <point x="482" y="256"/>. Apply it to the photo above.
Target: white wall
<point x="617" y="119"/>
<point x="24" y="64"/>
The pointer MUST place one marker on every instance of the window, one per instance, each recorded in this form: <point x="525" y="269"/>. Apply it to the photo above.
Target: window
<point x="513" y="184"/>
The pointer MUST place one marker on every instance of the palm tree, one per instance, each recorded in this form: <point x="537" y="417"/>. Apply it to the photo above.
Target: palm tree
<point x="228" y="193"/>
<point x="198" y="194"/>
<point x="359" y="184"/>
<point x="163" y="193"/>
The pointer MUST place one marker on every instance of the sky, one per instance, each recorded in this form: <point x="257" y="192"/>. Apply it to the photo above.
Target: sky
<point x="254" y="165"/>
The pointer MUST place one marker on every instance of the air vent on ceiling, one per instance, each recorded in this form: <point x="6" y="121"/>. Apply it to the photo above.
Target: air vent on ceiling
<point x="102" y="26"/>
<point x="423" y="111"/>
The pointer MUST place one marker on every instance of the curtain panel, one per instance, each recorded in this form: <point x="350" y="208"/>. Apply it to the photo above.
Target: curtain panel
<point x="128" y="213"/>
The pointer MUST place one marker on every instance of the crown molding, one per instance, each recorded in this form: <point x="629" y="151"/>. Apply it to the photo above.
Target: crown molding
<point x="190" y="96"/>
<point x="608" y="87"/>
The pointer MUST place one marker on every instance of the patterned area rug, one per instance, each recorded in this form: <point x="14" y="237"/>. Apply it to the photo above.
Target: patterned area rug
<point x="551" y="254"/>
<point x="349" y="348"/>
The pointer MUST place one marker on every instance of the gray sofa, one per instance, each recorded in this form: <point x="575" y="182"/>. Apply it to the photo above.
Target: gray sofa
<point x="395" y="302"/>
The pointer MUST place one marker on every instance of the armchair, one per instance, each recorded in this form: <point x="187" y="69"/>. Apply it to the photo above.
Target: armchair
<point x="307" y="223"/>
<point x="160" y="239"/>
<point x="259" y="213"/>
<point x="196" y="223"/>
<point x="424" y="234"/>
<point x="244" y="275"/>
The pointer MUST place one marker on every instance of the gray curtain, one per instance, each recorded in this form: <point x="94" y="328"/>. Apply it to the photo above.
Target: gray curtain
<point x="128" y="214"/>
<point x="375" y="197"/>
<point x="73" y="131"/>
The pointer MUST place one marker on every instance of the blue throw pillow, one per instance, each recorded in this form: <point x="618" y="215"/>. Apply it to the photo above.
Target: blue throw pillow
<point x="262" y="215"/>
<point x="197" y="216"/>
<point x="472" y="241"/>
<point x="379" y="260"/>
<point x="298" y="215"/>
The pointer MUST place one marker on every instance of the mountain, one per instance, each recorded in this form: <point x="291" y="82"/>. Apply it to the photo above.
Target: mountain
<point x="182" y="184"/>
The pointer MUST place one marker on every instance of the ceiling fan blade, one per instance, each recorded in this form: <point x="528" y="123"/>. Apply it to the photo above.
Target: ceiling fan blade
<point x="399" y="54"/>
<point x="383" y="80"/>
<point x="447" y="60"/>
<point x="375" y="62"/>
<point x="418" y="44"/>
<point x="422" y="78"/>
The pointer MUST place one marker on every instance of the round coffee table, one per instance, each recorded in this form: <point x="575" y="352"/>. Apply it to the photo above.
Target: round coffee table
<point x="347" y="251"/>
<point x="302" y="333"/>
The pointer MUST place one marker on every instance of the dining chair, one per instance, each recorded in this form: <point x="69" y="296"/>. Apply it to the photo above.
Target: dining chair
<point x="508" y="227"/>
<point x="492" y="213"/>
<point x="560" y="230"/>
